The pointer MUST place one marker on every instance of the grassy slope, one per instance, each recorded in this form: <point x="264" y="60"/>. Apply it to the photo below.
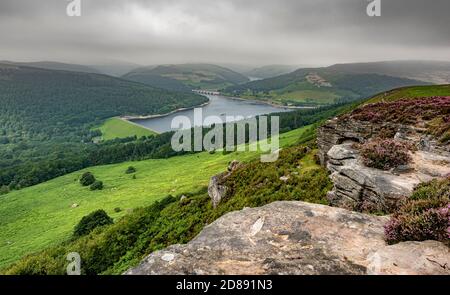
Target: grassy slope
<point x="118" y="128"/>
<point x="40" y="216"/>
<point x="412" y="92"/>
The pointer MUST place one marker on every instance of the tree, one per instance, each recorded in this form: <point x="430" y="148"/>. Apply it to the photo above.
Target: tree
<point x="4" y="190"/>
<point x="97" y="185"/>
<point x="89" y="222"/>
<point x="130" y="170"/>
<point x="87" y="179"/>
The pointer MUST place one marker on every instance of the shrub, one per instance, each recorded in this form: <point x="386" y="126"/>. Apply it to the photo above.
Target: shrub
<point x="434" y="111"/>
<point x="4" y="190"/>
<point x="117" y="210"/>
<point x="385" y="153"/>
<point x="97" y="185"/>
<point x="87" y="179"/>
<point x="89" y="222"/>
<point x="130" y="170"/>
<point x="423" y="216"/>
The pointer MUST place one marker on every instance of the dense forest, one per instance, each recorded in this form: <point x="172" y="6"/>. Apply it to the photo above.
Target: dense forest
<point x="47" y="116"/>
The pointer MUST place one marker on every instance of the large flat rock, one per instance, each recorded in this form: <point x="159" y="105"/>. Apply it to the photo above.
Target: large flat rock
<point x="295" y="238"/>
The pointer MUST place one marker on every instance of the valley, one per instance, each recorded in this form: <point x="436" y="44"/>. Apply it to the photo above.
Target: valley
<point x="152" y="194"/>
<point x="219" y="106"/>
<point x="48" y="206"/>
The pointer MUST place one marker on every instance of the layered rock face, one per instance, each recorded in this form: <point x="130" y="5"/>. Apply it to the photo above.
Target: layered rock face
<point x="296" y="238"/>
<point x="362" y="188"/>
<point x="216" y="188"/>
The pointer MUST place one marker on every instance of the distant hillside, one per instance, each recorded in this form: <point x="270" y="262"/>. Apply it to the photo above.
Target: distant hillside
<point x="156" y="80"/>
<point x="270" y="71"/>
<point x="51" y="65"/>
<point x="192" y="76"/>
<point x="429" y="71"/>
<point x="46" y="117"/>
<point x="114" y="68"/>
<point x="318" y="86"/>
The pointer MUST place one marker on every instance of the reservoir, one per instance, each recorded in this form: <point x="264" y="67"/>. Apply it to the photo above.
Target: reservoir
<point x="221" y="106"/>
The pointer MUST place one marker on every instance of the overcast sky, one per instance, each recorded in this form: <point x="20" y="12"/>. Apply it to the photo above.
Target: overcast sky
<point x="301" y="32"/>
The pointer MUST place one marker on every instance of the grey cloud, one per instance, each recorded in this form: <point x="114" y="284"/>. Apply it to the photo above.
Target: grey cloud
<point x="246" y="31"/>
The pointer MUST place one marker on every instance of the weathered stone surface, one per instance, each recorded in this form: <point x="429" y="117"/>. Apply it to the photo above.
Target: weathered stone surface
<point x="338" y="131"/>
<point x="216" y="188"/>
<point x="411" y="258"/>
<point x="293" y="238"/>
<point x="362" y="188"/>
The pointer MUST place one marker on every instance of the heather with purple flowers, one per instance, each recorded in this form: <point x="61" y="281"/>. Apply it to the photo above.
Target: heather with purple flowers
<point x="432" y="111"/>
<point x="423" y="216"/>
<point x="385" y="153"/>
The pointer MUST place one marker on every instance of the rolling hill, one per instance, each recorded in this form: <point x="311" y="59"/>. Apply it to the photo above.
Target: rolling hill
<point x="186" y="77"/>
<point x="46" y="117"/>
<point x="51" y="65"/>
<point x="270" y="71"/>
<point x="437" y="72"/>
<point x="318" y="86"/>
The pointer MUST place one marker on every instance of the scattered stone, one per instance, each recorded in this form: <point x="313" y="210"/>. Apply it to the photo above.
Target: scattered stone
<point x="284" y="178"/>
<point x="75" y="205"/>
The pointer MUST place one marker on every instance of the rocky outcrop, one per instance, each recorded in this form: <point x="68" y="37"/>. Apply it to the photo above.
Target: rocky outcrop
<point x="296" y="238"/>
<point x="216" y="188"/>
<point x="362" y="188"/>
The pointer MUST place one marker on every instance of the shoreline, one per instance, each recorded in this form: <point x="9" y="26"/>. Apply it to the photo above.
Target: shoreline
<point x="146" y="117"/>
<point x="142" y="117"/>
<point x="136" y="124"/>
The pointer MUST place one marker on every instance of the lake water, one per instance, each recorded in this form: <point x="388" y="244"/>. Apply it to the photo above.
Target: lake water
<point x="219" y="106"/>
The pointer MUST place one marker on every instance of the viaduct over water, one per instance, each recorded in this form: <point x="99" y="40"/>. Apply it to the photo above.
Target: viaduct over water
<point x="206" y="92"/>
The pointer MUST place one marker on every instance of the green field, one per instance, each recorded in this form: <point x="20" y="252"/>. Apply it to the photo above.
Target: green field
<point x="413" y="92"/>
<point x="41" y="216"/>
<point x="305" y="97"/>
<point x="118" y="128"/>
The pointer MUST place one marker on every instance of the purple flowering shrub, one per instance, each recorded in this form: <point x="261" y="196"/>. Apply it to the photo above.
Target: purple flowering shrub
<point x="384" y="153"/>
<point x="434" y="111"/>
<point x="423" y="216"/>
